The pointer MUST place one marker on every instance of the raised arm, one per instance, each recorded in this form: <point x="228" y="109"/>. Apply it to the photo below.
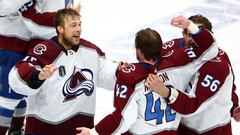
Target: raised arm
<point x="207" y="85"/>
<point x="41" y="24"/>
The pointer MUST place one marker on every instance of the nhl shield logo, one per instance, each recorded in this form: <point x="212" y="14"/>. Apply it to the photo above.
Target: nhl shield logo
<point x="81" y="81"/>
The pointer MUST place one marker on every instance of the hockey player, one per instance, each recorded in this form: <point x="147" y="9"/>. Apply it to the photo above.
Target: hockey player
<point x="60" y="101"/>
<point x="202" y="21"/>
<point x="14" y="37"/>
<point x="209" y="93"/>
<point x="139" y="110"/>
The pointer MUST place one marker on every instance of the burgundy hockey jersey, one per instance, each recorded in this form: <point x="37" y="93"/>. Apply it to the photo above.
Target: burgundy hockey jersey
<point x="14" y="35"/>
<point x="179" y="43"/>
<point x="207" y="107"/>
<point x="204" y="100"/>
<point x="67" y="99"/>
<point x="141" y="111"/>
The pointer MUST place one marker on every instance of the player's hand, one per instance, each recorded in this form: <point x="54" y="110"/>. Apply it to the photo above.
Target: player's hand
<point x="76" y="8"/>
<point x="180" y="22"/>
<point x="84" y="131"/>
<point x="47" y="72"/>
<point x="155" y="83"/>
<point x="69" y="5"/>
<point x="236" y="114"/>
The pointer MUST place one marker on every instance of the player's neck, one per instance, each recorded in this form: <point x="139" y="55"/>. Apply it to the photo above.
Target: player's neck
<point x="64" y="44"/>
<point x="151" y="62"/>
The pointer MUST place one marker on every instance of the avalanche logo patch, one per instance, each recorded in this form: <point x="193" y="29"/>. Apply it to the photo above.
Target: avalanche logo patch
<point x="168" y="44"/>
<point x="129" y="69"/>
<point x="81" y="81"/>
<point x="39" y="49"/>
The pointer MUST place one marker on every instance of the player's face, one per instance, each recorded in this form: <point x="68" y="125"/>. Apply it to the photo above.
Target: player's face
<point x="188" y="36"/>
<point x="71" y="31"/>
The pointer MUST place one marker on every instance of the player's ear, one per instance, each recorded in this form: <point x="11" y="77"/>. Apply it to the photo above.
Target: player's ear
<point x="60" y="29"/>
<point x="140" y="54"/>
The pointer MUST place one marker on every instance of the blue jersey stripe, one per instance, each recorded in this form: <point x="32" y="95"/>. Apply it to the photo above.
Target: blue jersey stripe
<point x="21" y="104"/>
<point x="6" y="112"/>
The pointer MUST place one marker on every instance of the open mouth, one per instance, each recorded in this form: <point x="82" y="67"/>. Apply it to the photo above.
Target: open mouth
<point x="77" y="37"/>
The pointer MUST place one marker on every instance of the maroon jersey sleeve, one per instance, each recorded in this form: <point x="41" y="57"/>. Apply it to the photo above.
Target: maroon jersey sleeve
<point x="235" y="99"/>
<point x="182" y="56"/>
<point x="172" y="45"/>
<point x="29" y="11"/>
<point x="203" y="39"/>
<point x="124" y="88"/>
<point x="210" y="78"/>
<point x="41" y="54"/>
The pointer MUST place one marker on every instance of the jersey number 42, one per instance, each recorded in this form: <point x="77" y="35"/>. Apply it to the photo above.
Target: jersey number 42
<point x="158" y="113"/>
